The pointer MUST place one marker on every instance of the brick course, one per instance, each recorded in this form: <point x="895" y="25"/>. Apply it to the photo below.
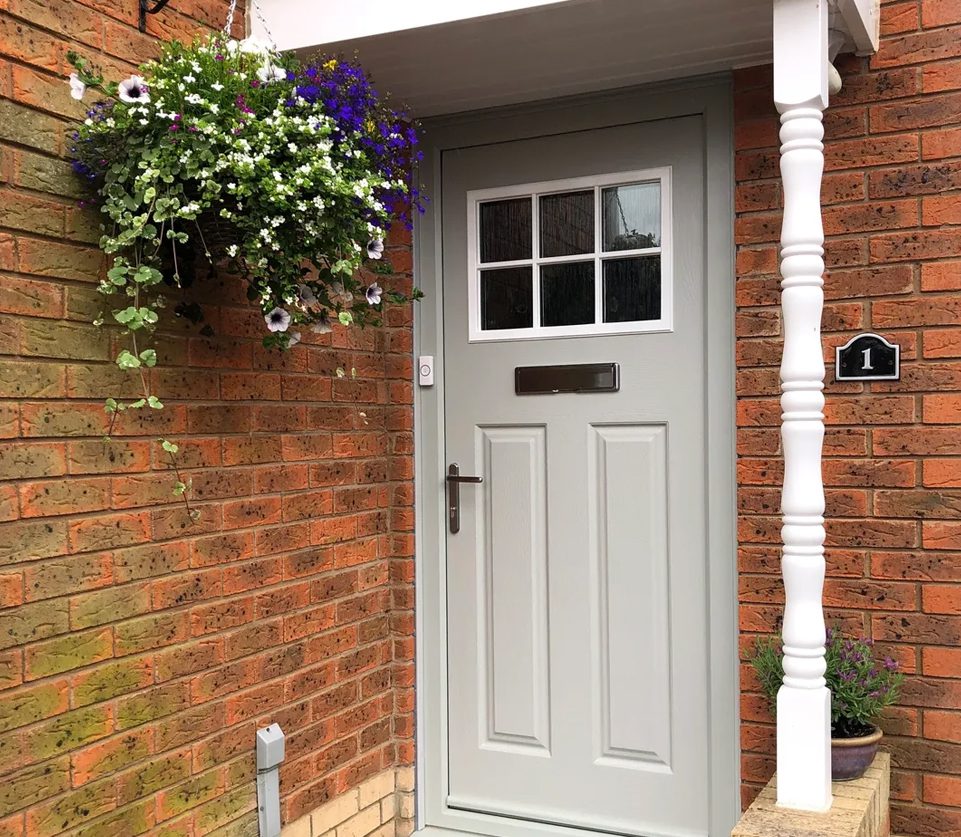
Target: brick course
<point x="138" y="651"/>
<point x="892" y="470"/>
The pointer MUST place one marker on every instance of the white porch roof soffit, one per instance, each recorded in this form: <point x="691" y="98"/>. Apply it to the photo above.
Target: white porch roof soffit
<point x="444" y="57"/>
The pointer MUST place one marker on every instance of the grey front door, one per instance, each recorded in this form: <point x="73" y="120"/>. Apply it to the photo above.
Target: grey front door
<point x="578" y="688"/>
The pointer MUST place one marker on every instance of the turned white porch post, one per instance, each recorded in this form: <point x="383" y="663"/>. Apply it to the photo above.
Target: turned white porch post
<point x="803" y="702"/>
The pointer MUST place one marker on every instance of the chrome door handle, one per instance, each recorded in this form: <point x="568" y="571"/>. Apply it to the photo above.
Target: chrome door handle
<point x="454" y="479"/>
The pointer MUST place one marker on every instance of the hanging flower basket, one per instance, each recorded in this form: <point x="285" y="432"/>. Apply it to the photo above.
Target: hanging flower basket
<point x="216" y="237"/>
<point x="294" y="172"/>
<point x="228" y="149"/>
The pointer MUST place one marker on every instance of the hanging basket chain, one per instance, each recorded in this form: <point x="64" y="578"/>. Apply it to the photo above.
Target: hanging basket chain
<point x="229" y="25"/>
<point x="230" y="17"/>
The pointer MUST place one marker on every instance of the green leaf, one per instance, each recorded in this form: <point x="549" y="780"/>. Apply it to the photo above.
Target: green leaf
<point x="170" y="447"/>
<point x="179" y="489"/>
<point x="126" y="316"/>
<point x="136" y="405"/>
<point x="345" y="317"/>
<point x="128" y="360"/>
<point x="154" y="402"/>
<point x="149" y="356"/>
<point x="111" y="405"/>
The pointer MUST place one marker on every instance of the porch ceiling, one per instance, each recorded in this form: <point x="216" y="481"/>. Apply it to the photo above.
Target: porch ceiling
<point x="541" y="50"/>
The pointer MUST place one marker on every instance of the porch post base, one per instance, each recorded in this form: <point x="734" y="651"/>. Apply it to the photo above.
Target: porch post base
<point x="804" y="748"/>
<point x="860" y="809"/>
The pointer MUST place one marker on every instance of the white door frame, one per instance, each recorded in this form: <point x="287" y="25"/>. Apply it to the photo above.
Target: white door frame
<point x="710" y="98"/>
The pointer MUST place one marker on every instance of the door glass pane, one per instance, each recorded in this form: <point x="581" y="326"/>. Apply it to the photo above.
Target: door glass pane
<point x="567" y="294"/>
<point x="632" y="216"/>
<point x="567" y="224"/>
<point x="632" y="289"/>
<point x="505" y="230"/>
<point x="507" y="298"/>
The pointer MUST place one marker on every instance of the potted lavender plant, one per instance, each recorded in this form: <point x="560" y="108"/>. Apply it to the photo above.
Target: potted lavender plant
<point x="861" y="687"/>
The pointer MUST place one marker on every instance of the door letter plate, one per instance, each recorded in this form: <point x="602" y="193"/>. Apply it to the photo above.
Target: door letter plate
<point x="574" y="377"/>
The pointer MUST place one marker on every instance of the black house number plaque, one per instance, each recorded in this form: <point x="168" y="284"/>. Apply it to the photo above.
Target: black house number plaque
<point x="867" y="357"/>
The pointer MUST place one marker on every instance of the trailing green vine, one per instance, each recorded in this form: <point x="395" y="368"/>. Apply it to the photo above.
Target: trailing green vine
<point x="287" y="174"/>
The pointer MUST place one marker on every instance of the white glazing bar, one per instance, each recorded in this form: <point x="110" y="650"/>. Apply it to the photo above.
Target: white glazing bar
<point x="804" y="702"/>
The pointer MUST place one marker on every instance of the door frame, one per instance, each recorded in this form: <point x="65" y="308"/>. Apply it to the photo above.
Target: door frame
<point x="710" y="98"/>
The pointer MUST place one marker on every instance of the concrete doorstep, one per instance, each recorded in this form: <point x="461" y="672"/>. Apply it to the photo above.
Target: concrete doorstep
<point x="860" y="809"/>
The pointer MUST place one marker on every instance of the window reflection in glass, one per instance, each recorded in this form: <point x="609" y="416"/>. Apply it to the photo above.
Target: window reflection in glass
<point x="507" y="298"/>
<point x="567" y="224"/>
<point x="505" y="230"/>
<point x="567" y="294"/>
<point x="631" y="218"/>
<point x="632" y="289"/>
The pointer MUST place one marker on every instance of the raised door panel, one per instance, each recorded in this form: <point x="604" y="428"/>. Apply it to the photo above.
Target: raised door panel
<point x="513" y="647"/>
<point x="630" y="595"/>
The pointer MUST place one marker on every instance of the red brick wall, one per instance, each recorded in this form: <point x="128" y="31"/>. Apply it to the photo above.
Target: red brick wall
<point x="892" y="190"/>
<point x="138" y="651"/>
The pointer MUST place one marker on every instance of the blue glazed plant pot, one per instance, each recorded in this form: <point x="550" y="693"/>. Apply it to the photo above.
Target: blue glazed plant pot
<point x="851" y="757"/>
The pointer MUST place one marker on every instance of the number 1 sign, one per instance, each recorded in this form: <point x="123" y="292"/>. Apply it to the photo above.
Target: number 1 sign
<point x="867" y="357"/>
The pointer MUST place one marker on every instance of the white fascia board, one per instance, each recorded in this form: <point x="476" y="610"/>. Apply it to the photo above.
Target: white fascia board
<point x="301" y="24"/>
<point x="862" y="18"/>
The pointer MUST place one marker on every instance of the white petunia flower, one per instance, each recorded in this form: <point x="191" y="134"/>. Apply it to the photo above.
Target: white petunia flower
<point x="133" y="89"/>
<point x="77" y="87"/>
<point x="375" y="248"/>
<point x="322" y="325"/>
<point x="294" y="339"/>
<point x="339" y="295"/>
<point x="271" y="72"/>
<point x="373" y="294"/>
<point x="251" y="45"/>
<point x="277" y="320"/>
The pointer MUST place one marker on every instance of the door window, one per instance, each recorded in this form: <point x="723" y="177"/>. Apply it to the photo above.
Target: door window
<point x="580" y="257"/>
